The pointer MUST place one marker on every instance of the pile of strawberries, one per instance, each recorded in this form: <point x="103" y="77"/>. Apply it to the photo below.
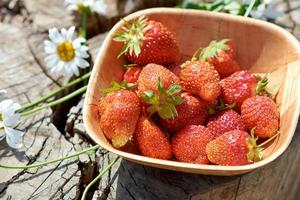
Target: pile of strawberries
<point x="205" y="110"/>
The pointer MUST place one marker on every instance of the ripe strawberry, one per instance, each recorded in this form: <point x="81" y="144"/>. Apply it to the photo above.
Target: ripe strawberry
<point x="159" y="87"/>
<point x="233" y="148"/>
<point x="238" y="87"/>
<point x="192" y="111"/>
<point x="221" y="55"/>
<point x="148" y="41"/>
<point x="132" y="74"/>
<point x="225" y="121"/>
<point x="202" y="79"/>
<point x="149" y="76"/>
<point x="119" y="112"/>
<point x="151" y="141"/>
<point x="261" y="113"/>
<point x="189" y="144"/>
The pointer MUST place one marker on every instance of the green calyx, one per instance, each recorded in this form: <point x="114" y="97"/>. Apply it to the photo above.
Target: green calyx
<point x="132" y="35"/>
<point x="261" y="85"/>
<point x="220" y="107"/>
<point x="118" y="86"/>
<point x="212" y="49"/>
<point x="165" y="102"/>
<point x="254" y="151"/>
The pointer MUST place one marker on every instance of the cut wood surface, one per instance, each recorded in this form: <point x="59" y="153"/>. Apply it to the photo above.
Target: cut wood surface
<point x="25" y="77"/>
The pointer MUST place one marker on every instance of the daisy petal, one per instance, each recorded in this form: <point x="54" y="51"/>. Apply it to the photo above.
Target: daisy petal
<point x="54" y="35"/>
<point x="70" y="33"/>
<point x="82" y="54"/>
<point x="11" y="120"/>
<point x="5" y="104"/>
<point x="81" y="63"/>
<point x="64" y="33"/>
<point x="13" y="137"/>
<point x="52" y="60"/>
<point x="77" y="42"/>
<point x="75" y="70"/>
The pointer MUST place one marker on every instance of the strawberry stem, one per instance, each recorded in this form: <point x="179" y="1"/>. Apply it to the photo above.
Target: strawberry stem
<point x="268" y="140"/>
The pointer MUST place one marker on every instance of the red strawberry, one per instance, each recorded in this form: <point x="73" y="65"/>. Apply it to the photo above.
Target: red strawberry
<point x="225" y="121"/>
<point x="233" y="148"/>
<point x="151" y="141"/>
<point x="119" y="112"/>
<point x="159" y="87"/>
<point x="261" y="113"/>
<point x="189" y="144"/>
<point x="238" y="87"/>
<point x="221" y="55"/>
<point x="192" y="111"/>
<point x="202" y="79"/>
<point x="148" y="41"/>
<point x="132" y="74"/>
<point x="149" y="76"/>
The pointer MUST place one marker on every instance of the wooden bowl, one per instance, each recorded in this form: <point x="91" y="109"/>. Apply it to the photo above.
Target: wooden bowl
<point x="262" y="47"/>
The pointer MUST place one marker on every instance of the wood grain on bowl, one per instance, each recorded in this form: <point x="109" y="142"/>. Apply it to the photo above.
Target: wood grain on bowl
<point x="262" y="48"/>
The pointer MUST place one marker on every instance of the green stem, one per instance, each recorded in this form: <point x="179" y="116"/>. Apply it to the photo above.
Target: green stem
<point x="56" y="102"/>
<point x="51" y="161"/>
<point x="98" y="177"/>
<point x="53" y="93"/>
<point x="249" y="8"/>
<point x="84" y="23"/>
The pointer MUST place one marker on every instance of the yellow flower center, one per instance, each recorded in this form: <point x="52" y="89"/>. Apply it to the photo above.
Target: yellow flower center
<point x="1" y="117"/>
<point x="65" y="51"/>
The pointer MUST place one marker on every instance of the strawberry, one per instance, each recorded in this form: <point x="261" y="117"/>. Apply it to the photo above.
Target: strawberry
<point x="233" y="148"/>
<point x="189" y="144"/>
<point x="148" y="41"/>
<point x="149" y="76"/>
<point x="151" y="141"/>
<point x="192" y="111"/>
<point x="119" y="112"/>
<point x="238" y="87"/>
<point x="261" y="113"/>
<point x="159" y="87"/>
<point x="222" y="56"/>
<point x="132" y="74"/>
<point x="225" y="121"/>
<point x="201" y="79"/>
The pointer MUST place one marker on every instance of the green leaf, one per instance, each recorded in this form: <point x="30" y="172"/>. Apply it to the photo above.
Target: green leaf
<point x="165" y="101"/>
<point x="151" y="110"/>
<point x="160" y="85"/>
<point x="166" y="111"/>
<point x="117" y="86"/>
<point x="213" y="47"/>
<point x="132" y="35"/>
<point x="174" y="89"/>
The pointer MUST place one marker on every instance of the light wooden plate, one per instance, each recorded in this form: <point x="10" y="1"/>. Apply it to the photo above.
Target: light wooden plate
<point x="262" y="47"/>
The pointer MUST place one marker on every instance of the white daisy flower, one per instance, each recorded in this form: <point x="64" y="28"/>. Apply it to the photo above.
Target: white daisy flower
<point x="98" y="6"/>
<point x="66" y="55"/>
<point x="8" y="120"/>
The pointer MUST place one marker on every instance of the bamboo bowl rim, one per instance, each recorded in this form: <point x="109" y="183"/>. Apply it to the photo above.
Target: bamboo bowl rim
<point x="176" y="164"/>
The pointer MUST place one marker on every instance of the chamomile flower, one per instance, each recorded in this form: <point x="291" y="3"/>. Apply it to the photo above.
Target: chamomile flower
<point x="98" y="6"/>
<point x="66" y="55"/>
<point x="8" y="120"/>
